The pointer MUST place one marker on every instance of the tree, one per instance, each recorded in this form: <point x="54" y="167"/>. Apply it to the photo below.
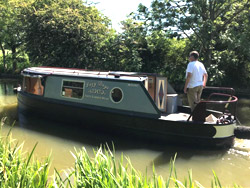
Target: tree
<point x="111" y="56"/>
<point x="153" y="51"/>
<point x="142" y="51"/>
<point x="65" y="33"/>
<point x="208" y="25"/>
<point x="4" y="54"/>
<point x="235" y="61"/>
<point x="132" y="43"/>
<point x="11" y="28"/>
<point x="201" y="21"/>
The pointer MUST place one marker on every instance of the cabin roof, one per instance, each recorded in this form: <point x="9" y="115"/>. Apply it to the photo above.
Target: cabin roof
<point x="134" y="76"/>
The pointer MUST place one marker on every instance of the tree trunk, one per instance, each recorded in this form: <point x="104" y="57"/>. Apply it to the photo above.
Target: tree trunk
<point x="14" y="63"/>
<point x="5" y="89"/>
<point x="4" y="56"/>
<point x="208" y="57"/>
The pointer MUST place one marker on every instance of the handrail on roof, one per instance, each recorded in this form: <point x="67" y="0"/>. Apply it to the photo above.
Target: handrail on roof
<point x="48" y="71"/>
<point x="52" y="70"/>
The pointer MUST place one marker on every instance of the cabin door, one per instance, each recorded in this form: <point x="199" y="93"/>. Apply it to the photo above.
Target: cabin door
<point x="161" y="93"/>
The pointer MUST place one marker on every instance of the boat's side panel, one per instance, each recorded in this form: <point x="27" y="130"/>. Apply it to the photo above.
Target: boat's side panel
<point x="135" y="99"/>
<point x="224" y="130"/>
<point x="111" y="121"/>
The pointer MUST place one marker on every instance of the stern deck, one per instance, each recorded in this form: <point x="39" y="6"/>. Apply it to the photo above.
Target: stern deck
<point x="178" y="116"/>
<point x="183" y="117"/>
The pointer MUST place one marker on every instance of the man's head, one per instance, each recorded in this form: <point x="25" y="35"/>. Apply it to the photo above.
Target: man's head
<point x="193" y="56"/>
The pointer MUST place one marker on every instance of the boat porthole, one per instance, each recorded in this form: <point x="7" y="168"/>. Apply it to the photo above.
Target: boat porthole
<point x="116" y="95"/>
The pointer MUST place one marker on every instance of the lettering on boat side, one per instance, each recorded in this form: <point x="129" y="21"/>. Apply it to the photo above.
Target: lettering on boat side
<point x="98" y="84"/>
<point x="132" y="85"/>
<point x="96" y="90"/>
<point x="97" y="97"/>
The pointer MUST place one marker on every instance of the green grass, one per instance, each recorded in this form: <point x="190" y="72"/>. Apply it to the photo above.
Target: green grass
<point x="103" y="170"/>
<point x="19" y="169"/>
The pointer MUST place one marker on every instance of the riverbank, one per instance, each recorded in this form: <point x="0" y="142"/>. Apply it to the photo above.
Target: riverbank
<point x="241" y="92"/>
<point x="10" y="76"/>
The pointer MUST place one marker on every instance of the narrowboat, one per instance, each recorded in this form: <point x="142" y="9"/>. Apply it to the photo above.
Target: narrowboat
<point x="139" y="105"/>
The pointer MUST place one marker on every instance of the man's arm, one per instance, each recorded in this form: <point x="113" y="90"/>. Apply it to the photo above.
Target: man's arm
<point x="205" y="76"/>
<point x="189" y="75"/>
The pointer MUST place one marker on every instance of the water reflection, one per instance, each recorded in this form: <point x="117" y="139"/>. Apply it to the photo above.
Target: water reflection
<point x="8" y="100"/>
<point x="186" y="153"/>
<point x="231" y="166"/>
<point x="244" y="111"/>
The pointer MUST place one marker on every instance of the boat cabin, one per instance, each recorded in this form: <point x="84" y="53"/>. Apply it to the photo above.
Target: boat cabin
<point x="128" y="91"/>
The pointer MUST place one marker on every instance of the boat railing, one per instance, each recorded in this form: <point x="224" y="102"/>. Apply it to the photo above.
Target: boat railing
<point x="200" y="111"/>
<point x="229" y="90"/>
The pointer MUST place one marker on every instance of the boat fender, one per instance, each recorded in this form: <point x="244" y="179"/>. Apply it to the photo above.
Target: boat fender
<point x="242" y="132"/>
<point x="17" y="89"/>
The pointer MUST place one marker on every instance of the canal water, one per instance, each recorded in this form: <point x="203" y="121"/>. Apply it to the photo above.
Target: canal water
<point x="231" y="165"/>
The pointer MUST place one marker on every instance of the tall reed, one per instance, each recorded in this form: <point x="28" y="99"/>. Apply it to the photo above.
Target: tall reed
<point x="104" y="171"/>
<point x="17" y="169"/>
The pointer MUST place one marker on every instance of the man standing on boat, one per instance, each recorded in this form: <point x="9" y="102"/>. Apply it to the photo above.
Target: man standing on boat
<point x="196" y="79"/>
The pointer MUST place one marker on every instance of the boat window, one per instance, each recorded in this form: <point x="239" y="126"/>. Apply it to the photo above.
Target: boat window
<point x="116" y="95"/>
<point x="72" y="89"/>
<point x="33" y="85"/>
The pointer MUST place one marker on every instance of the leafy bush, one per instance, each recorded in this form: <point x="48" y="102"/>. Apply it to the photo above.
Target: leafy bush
<point x="22" y="62"/>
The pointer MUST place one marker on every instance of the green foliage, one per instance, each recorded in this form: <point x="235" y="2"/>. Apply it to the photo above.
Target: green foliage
<point x="153" y="51"/>
<point x="22" y="60"/>
<point x="103" y="170"/>
<point x="219" y="30"/>
<point x="18" y="170"/>
<point x="235" y="60"/>
<point x="202" y="22"/>
<point x="65" y="33"/>
<point x="155" y="39"/>
<point x="174" y="59"/>
<point x="111" y="56"/>
<point x="11" y="31"/>
<point x="133" y="44"/>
